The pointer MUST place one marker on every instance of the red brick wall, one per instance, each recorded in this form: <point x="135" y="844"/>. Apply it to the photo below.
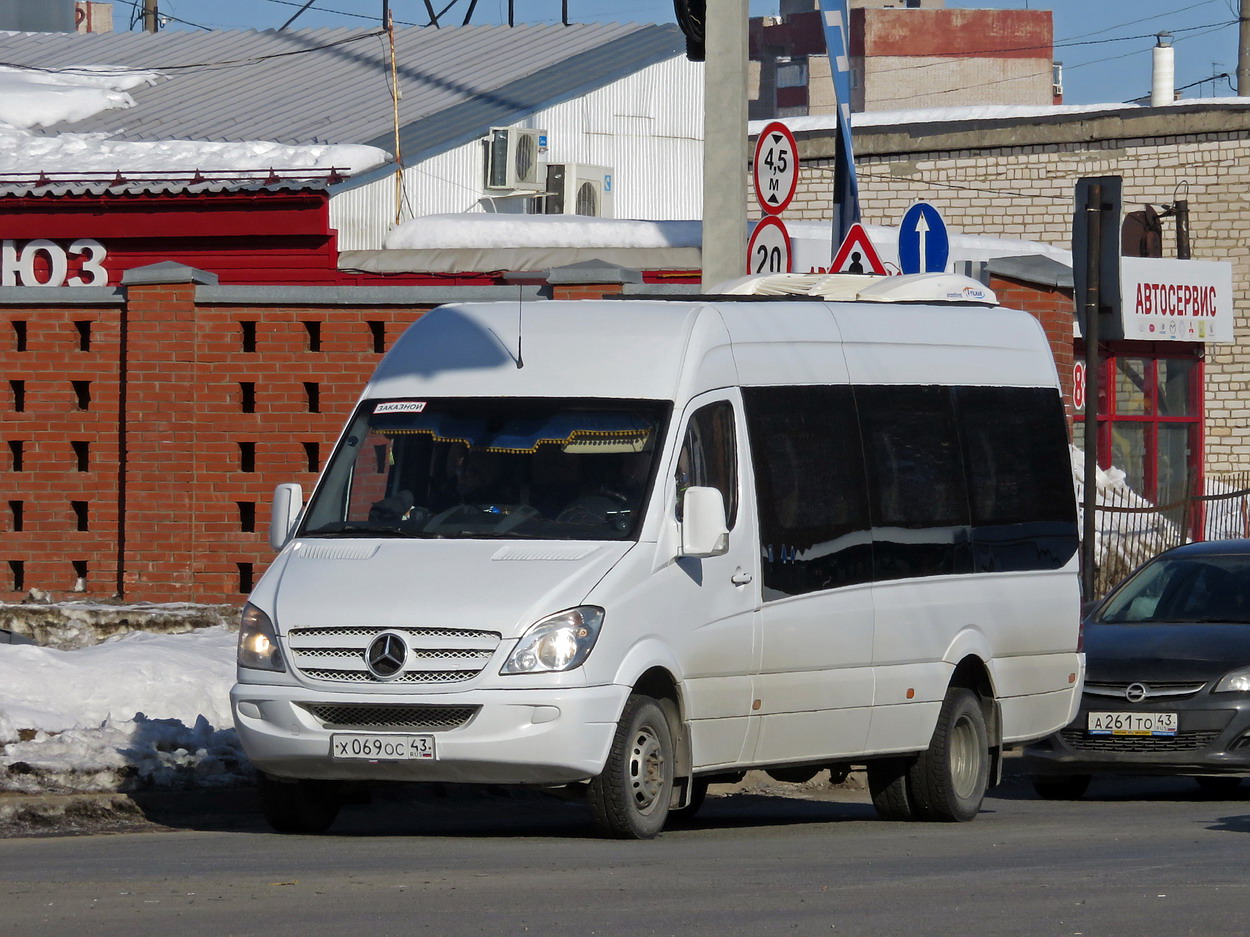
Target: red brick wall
<point x="1000" y="34"/>
<point x="58" y="512"/>
<point x="158" y="487"/>
<point x="213" y="419"/>
<point x="1054" y="309"/>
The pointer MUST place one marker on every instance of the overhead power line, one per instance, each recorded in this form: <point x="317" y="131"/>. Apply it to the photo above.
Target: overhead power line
<point x="95" y="70"/>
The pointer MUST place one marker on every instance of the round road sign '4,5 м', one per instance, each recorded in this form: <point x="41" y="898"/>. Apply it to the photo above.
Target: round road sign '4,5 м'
<point x="775" y="169"/>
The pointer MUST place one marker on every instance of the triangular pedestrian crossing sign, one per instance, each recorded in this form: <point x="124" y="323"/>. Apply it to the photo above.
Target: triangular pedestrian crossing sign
<point x="857" y="255"/>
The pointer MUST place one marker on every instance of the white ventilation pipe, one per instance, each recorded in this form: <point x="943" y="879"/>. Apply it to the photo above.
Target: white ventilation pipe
<point x="1163" y="76"/>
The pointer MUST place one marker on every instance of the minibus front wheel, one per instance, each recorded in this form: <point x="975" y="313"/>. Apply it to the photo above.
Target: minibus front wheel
<point x="630" y="798"/>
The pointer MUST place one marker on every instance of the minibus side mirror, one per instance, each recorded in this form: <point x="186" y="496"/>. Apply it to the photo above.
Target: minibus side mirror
<point x="288" y="499"/>
<point x="704" y="531"/>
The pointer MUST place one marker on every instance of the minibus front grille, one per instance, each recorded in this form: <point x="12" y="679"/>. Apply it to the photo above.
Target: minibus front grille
<point x="411" y="676"/>
<point x="433" y="655"/>
<point x="361" y="716"/>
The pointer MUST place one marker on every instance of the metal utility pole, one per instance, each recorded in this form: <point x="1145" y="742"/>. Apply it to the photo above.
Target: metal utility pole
<point x="725" y="142"/>
<point x="1181" y="210"/>
<point x="1243" y="50"/>
<point x="1093" y="220"/>
<point x="150" y="23"/>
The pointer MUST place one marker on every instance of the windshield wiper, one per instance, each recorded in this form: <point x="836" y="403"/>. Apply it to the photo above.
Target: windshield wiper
<point x="369" y="530"/>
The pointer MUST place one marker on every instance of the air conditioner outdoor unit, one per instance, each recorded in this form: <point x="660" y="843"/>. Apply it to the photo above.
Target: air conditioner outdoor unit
<point x="513" y="159"/>
<point x="577" y="189"/>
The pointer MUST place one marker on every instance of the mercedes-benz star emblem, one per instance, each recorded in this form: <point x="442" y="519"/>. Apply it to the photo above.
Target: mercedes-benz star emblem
<point x="1135" y="692"/>
<point x="386" y="655"/>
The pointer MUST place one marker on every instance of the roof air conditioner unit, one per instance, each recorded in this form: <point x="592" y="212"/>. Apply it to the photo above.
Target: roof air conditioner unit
<point x="577" y="189"/>
<point x="512" y="162"/>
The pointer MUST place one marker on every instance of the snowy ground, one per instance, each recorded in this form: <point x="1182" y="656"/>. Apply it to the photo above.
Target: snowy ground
<point x="138" y="712"/>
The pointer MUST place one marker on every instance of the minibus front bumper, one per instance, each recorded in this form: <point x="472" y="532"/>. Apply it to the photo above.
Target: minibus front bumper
<point x="502" y="736"/>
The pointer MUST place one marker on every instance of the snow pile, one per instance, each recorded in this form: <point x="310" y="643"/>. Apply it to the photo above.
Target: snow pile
<point x="31" y="98"/>
<point x="69" y="625"/>
<point x="143" y="711"/>
<point x="1126" y="538"/>
<point x="1228" y="513"/>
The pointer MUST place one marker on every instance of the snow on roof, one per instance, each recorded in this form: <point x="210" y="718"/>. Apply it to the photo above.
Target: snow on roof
<point x="34" y="98"/>
<point x="933" y="115"/>
<point x="487" y="231"/>
<point x="812" y="239"/>
<point x="303" y="86"/>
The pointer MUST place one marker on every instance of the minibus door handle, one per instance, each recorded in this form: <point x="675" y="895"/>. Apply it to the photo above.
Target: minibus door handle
<point x="740" y="577"/>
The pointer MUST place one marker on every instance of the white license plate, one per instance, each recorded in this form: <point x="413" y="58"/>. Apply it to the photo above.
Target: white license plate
<point x="1162" y="724"/>
<point x="360" y="746"/>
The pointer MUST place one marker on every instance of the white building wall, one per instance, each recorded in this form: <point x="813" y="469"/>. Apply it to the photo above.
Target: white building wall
<point x="648" y="127"/>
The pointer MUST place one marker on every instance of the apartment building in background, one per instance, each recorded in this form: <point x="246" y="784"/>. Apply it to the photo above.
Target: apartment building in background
<point x="904" y="54"/>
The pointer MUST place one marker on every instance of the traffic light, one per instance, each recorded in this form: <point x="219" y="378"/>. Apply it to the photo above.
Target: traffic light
<point x="691" y="17"/>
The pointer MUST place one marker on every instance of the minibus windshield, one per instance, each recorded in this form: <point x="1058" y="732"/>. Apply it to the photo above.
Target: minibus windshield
<point x="536" y="469"/>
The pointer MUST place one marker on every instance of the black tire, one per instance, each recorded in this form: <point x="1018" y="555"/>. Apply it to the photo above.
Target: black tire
<point x="683" y="815"/>
<point x="887" y="783"/>
<point x="298" y="806"/>
<point x="630" y="799"/>
<point x="1218" y="785"/>
<point x="1061" y="786"/>
<point x="947" y="782"/>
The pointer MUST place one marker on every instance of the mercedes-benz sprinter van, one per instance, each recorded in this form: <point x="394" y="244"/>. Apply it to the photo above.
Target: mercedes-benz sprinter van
<point x="641" y="546"/>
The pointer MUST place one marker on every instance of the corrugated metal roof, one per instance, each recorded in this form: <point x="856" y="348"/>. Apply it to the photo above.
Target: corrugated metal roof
<point x="333" y="86"/>
<point x="55" y="188"/>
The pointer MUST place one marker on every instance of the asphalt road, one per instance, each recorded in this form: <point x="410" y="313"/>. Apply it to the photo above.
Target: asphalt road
<point x="1135" y="857"/>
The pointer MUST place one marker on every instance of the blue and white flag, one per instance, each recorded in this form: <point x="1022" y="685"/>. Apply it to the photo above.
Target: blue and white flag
<point x="833" y="14"/>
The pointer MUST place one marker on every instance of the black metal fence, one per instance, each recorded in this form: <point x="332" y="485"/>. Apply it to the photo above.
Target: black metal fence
<point x="1131" y="530"/>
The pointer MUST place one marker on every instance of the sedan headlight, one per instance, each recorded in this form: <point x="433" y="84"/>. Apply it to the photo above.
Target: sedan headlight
<point x="1236" y="681"/>
<point x="258" y="641"/>
<point x="559" y="642"/>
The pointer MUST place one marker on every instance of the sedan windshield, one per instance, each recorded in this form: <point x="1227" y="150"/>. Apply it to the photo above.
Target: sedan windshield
<point x="485" y="467"/>
<point x="1209" y="588"/>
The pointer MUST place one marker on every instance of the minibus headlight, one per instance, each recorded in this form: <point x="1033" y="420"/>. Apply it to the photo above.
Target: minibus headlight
<point x="258" y="641"/>
<point x="559" y="642"/>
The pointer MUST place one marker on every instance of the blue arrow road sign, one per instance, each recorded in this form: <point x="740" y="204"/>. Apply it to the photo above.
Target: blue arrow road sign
<point x="923" y="246"/>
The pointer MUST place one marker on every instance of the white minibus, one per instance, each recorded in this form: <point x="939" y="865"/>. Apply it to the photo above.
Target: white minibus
<point x="638" y="547"/>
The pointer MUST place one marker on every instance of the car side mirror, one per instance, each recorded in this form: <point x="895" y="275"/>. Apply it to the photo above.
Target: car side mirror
<point x="704" y="531"/>
<point x="288" y="500"/>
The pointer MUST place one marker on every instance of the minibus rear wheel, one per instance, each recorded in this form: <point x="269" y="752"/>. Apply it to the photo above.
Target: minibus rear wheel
<point x="887" y="783"/>
<point x="948" y="781"/>
<point x="298" y="806"/>
<point x="630" y="799"/>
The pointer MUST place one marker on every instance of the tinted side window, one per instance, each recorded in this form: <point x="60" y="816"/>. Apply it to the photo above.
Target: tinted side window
<point x="809" y="478"/>
<point x="916" y="489"/>
<point x="708" y="456"/>
<point x="1019" y="477"/>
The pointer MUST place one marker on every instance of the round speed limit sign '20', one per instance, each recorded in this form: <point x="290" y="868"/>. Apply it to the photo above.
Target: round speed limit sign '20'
<point x="775" y="169"/>
<point x="769" y="248"/>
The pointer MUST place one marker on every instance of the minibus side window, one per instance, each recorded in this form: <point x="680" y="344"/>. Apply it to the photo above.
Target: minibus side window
<point x="1019" y="477"/>
<point x="810" y="488"/>
<point x="708" y="457"/>
<point x="917" y="491"/>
